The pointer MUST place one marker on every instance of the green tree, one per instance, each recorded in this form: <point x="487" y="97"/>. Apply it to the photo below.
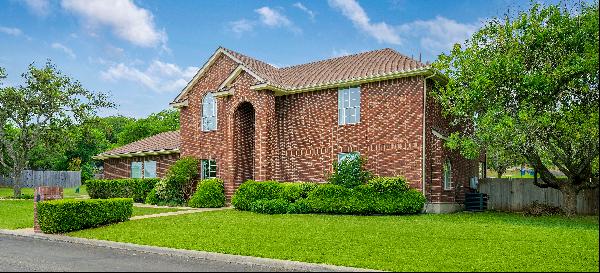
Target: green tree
<point x="499" y="159"/>
<point x="530" y="83"/>
<point x="163" y="121"/>
<point x="39" y="114"/>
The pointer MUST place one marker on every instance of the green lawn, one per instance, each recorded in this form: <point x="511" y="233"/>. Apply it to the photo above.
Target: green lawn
<point x="16" y="214"/>
<point x="455" y="242"/>
<point x="6" y="192"/>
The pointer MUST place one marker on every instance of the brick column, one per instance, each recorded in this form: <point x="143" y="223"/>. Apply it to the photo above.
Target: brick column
<point x="44" y="194"/>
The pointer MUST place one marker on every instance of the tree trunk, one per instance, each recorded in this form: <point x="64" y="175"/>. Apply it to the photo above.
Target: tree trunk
<point x="570" y="200"/>
<point x="500" y="173"/>
<point x="17" y="184"/>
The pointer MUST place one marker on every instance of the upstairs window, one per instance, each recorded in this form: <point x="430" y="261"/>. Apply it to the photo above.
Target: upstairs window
<point x="349" y="105"/>
<point x="209" y="169"/>
<point x="209" y="112"/>
<point x="447" y="175"/>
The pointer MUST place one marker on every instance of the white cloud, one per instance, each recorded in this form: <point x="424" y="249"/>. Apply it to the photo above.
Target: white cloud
<point x="339" y="53"/>
<point x="127" y="21"/>
<point x="272" y="18"/>
<point x="382" y="32"/>
<point x="38" y="7"/>
<point x="241" y="26"/>
<point x="65" y="49"/>
<point x="11" y="31"/>
<point x="310" y="13"/>
<point x="158" y="76"/>
<point x="439" y="34"/>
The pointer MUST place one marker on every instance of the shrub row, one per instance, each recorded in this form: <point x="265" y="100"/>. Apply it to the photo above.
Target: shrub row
<point x="210" y="193"/>
<point x="60" y="216"/>
<point x="136" y="188"/>
<point x="382" y="195"/>
<point x="178" y="184"/>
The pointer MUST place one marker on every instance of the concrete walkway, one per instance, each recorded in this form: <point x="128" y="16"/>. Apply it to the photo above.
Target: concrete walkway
<point x="191" y="210"/>
<point x="78" y="251"/>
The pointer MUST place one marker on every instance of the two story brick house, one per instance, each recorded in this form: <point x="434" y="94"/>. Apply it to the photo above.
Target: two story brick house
<point x="246" y="119"/>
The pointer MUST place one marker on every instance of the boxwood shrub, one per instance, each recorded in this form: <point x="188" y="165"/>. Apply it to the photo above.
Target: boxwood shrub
<point x="60" y="216"/>
<point x="210" y="193"/>
<point x="274" y="206"/>
<point x="136" y="188"/>
<point x="251" y="191"/>
<point x="380" y="195"/>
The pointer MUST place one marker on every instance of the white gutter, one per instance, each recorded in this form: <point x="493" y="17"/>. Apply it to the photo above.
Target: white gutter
<point x="424" y="131"/>
<point x="133" y="154"/>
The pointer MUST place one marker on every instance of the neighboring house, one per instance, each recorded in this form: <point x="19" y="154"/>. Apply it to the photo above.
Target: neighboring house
<point x="146" y="158"/>
<point x="246" y="119"/>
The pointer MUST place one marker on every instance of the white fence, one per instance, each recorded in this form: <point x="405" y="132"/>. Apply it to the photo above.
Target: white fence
<point x="515" y="194"/>
<point x="32" y="179"/>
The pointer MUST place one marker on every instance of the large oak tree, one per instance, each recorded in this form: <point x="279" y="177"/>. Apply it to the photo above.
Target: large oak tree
<point x="529" y="85"/>
<point x="39" y="114"/>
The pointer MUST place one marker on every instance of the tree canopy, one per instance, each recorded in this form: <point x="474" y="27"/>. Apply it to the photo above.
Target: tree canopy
<point x="529" y="85"/>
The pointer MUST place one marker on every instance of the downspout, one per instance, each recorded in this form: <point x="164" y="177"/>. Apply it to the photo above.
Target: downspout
<point x="424" y="131"/>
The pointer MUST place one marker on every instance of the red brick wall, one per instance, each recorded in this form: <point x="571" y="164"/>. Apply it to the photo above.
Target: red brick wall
<point x="121" y="167"/>
<point x="297" y="137"/>
<point x="388" y="134"/>
<point x="436" y="155"/>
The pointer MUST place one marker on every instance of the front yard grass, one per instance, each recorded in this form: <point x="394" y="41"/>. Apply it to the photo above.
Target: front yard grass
<point x="456" y="242"/>
<point x="7" y="192"/>
<point x="17" y="214"/>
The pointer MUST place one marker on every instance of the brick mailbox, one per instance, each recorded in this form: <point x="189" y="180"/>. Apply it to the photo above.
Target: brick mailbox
<point x="44" y="194"/>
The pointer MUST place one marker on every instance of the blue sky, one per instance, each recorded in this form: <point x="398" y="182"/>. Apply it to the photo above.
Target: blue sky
<point x="144" y="52"/>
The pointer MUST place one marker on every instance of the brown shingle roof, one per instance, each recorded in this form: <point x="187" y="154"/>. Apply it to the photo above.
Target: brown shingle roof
<point x="374" y="65"/>
<point x="357" y="66"/>
<point x="166" y="141"/>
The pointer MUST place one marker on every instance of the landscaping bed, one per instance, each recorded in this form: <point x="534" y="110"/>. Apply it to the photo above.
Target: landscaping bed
<point x="454" y="242"/>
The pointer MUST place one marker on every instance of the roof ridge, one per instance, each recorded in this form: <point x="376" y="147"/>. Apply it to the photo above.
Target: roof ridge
<point x="139" y="140"/>
<point x="246" y="56"/>
<point x="340" y="57"/>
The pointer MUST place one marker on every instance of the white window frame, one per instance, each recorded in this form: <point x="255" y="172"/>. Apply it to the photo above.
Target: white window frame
<point x="209" y="116"/>
<point x="141" y="164"/>
<point x="146" y="162"/>
<point x="343" y="156"/>
<point x="447" y="174"/>
<point x="348" y="104"/>
<point x="211" y="164"/>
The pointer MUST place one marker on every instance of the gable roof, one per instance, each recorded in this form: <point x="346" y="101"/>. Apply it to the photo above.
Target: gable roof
<point x="162" y="143"/>
<point x="342" y="71"/>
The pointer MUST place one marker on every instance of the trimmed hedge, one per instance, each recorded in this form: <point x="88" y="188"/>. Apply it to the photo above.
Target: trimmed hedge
<point x="60" y="216"/>
<point x="136" y="188"/>
<point x="381" y="195"/>
<point x="210" y="193"/>
<point x="251" y="191"/>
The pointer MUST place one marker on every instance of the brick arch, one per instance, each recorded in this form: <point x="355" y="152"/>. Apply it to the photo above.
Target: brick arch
<point x="244" y="131"/>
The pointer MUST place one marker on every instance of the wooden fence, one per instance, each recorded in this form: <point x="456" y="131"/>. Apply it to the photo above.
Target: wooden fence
<point x="515" y="194"/>
<point x="31" y="179"/>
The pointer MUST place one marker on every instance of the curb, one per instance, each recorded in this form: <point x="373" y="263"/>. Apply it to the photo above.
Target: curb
<point x="211" y="256"/>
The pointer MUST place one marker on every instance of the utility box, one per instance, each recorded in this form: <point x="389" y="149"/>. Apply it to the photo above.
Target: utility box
<point x="475" y="201"/>
<point x="44" y="193"/>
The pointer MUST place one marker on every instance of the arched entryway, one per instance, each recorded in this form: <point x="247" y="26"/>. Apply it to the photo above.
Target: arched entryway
<point x="243" y="143"/>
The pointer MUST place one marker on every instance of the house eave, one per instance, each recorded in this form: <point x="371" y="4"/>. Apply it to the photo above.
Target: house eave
<point x="135" y="154"/>
<point x="280" y="91"/>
